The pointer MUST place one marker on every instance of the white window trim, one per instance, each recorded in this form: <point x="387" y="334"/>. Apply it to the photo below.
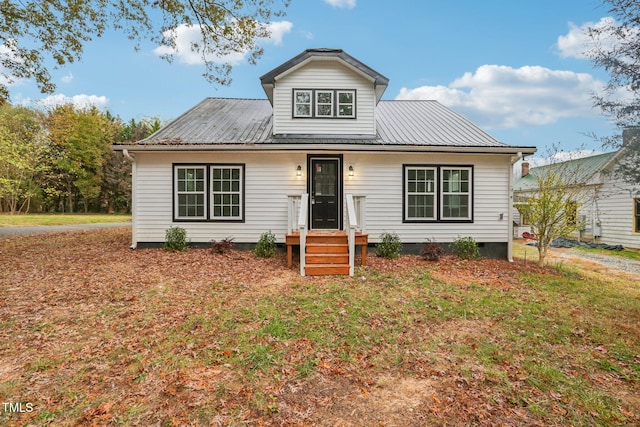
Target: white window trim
<point x="179" y="193"/>
<point x="467" y="193"/>
<point x="636" y="214"/>
<point x="433" y="193"/>
<point x="239" y="193"/>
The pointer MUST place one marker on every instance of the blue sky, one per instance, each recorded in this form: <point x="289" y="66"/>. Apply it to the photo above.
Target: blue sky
<point x="513" y="67"/>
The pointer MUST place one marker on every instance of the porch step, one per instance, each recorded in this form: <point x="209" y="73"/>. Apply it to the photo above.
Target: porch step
<point x="338" y="248"/>
<point x="327" y="258"/>
<point x="326" y="269"/>
<point x="327" y="253"/>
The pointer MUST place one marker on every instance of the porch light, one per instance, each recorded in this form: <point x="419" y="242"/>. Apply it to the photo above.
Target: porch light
<point x="299" y="170"/>
<point x="350" y="170"/>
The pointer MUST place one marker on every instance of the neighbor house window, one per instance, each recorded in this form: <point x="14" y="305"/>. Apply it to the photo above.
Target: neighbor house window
<point x="190" y="192"/>
<point x="636" y="215"/>
<point x="420" y="195"/>
<point x="226" y="185"/>
<point x="324" y="103"/>
<point x="208" y="192"/>
<point x="437" y="193"/>
<point x="456" y="194"/>
<point x="302" y="103"/>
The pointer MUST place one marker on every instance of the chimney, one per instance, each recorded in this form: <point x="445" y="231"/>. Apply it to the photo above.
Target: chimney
<point x="525" y="169"/>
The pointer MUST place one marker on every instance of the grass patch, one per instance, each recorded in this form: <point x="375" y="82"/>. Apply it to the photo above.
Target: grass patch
<point x="28" y="220"/>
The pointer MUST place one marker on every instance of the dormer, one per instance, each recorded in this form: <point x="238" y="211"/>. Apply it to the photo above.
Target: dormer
<point x="324" y="92"/>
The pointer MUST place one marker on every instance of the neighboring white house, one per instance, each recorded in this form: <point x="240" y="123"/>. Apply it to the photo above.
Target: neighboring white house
<point x="323" y="152"/>
<point x="608" y="208"/>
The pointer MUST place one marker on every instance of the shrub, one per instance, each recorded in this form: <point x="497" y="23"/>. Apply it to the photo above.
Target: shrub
<point x="390" y="246"/>
<point x="175" y="239"/>
<point x="266" y="246"/>
<point x="431" y="251"/>
<point x="465" y="248"/>
<point x="222" y="246"/>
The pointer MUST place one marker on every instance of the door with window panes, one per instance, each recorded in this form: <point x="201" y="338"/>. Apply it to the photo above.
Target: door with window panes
<point x="325" y="193"/>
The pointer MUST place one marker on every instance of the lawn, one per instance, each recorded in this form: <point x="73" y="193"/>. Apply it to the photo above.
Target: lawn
<point x="28" y="220"/>
<point x="94" y="333"/>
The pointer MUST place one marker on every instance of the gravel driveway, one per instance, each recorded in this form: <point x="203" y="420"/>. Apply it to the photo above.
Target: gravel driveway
<point x="611" y="261"/>
<point x="13" y="231"/>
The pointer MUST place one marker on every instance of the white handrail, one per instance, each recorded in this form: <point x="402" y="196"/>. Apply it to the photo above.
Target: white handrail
<point x="352" y="225"/>
<point x="302" y="227"/>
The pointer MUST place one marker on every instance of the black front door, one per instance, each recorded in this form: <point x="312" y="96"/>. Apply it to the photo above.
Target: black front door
<point x="325" y="193"/>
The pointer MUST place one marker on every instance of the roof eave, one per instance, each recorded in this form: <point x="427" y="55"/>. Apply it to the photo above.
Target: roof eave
<point x="262" y="147"/>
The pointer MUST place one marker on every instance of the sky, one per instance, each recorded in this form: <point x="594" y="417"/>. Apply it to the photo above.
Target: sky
<point x="515" y="68"/>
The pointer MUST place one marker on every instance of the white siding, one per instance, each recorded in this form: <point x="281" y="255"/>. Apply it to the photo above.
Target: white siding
<point x="615" y="211"/>
<point x="270" y="177"/>
<point x="379" y="178"/>
<point x="324" y="75"/>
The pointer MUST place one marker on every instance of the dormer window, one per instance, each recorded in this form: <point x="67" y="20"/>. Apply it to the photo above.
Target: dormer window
<point x="302" y="103"/>
<point x="324" y="103"/>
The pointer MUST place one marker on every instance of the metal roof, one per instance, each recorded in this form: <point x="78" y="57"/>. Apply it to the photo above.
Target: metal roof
<point x="220" y="121"/>
<point x="582" y="171"/>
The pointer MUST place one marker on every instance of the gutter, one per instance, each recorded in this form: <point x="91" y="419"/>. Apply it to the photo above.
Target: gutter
<point x="399" y="148"/>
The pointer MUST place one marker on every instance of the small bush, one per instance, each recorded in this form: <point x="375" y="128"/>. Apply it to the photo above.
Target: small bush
<point x="266" y="246"/>
<point x="175" y="239"/>
<point x="390" y="246"/>
<point x="465" y="248"/>
<point x="222" y="246"/>
<point x="431" y="251"/>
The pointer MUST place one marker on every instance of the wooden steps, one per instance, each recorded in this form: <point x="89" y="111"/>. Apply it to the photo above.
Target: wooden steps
<point x="327" y="253"/>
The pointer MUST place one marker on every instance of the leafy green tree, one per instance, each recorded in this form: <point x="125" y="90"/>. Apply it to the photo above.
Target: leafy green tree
<point x="551" y="204"/>
<point x="81" y="144"/>
<point x="35" y="32"/>
<point x="22" y="154"/>
<point x="616" y="49"/>
<point x="116" y="184"/>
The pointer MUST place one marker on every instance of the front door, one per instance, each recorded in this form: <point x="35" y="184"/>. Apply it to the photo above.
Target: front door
<point x="325" y="193"/>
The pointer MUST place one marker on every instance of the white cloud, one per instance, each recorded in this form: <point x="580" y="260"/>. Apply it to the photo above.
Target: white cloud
<point x="189" y="36"/>
<point x="67" y="79"/>
<point x="79" y="101"/>
<point x="577" y="43"/>
<point x="348" y="4"/>
<point x="505" y="97"/>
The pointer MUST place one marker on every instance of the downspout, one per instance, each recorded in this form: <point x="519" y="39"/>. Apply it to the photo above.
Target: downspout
<point x="514" y="159"/>
<point x="132" y="160"/>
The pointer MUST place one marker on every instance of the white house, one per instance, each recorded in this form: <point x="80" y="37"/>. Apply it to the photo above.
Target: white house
<point x="607" y="207"/>
<point x="323" y="153"/>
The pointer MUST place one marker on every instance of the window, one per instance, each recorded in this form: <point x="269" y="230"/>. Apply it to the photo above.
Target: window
<point x="456" y="193"/>
<point x="636" y="218"/>
<point x="190" y="192"/>
<point x="421" y="193"/>
<point x="438" y="193"/>
<point x="226" y="201"/>
<point x="302" y="103"/>
<point x="324" y="103"/>
<point x="571" y="212"/>
<point x="209" y="192"/>
<point x="346" y="103"/>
